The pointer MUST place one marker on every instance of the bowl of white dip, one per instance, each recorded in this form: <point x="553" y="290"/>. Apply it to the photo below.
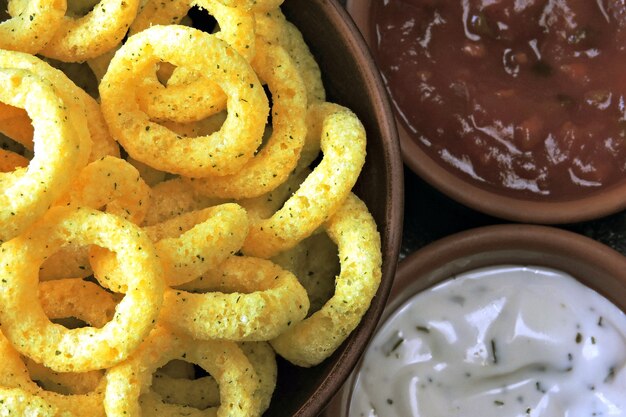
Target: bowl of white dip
<point x="510" y="320"/>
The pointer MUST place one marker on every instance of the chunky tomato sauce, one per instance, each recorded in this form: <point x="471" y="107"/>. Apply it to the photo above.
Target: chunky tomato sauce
<point x="526" y="97"/>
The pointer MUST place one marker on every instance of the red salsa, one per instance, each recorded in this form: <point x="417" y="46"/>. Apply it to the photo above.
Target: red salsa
<point x="526" y="97"/>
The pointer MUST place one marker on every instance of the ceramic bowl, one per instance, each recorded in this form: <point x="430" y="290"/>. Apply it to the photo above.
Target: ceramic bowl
<point x="351" y="79"/>
<point x="593" y="264"/>
<point x="605" y="201"/>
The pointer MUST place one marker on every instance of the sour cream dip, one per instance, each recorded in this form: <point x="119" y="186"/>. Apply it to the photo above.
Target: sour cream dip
<point x="500" y="341"/>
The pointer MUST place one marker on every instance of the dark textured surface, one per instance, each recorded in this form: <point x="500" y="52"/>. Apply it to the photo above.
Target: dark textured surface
<point x="430" y="215"/>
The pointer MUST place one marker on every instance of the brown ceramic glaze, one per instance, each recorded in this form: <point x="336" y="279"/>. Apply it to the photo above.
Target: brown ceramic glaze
<point x="603" y="202"/>
<point x="593" y="264"/>
<point x="351" y="79"/>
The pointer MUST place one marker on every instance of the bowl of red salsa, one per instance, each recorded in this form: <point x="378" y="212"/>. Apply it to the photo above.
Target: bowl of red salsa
<point x="514" y="108"/>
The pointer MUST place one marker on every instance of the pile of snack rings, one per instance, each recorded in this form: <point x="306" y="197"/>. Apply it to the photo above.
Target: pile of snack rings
<point x="166" y="236"/>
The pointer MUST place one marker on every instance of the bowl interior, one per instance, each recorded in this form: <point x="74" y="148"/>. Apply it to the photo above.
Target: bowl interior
<point x="606" y="201"/>
<point x="593" y="264"/>
<point x="351" y="80"/>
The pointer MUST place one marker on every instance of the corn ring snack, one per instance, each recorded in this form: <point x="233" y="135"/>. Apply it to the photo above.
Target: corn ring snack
<point x="100" y="30"/>
<point x="63" y="383"/>
<point x="102" y="142"/>
<point x="86" y="301"/>
<point x="65" y="89"/>
<point x="84" y="349"/>
<point x="266" y="205"/>
<point x="311" y="341"/>
<point x="148" y="174"/>
<point x="100" y="64"/>
<point x="68" y="261"/>
<point x="114" y="183"/>
<point x="203" y="392"/>
<point x="18" y="401"/>
<point x="253" y="5"/>
<point x="16" y="377"/>
<point x="28" y="192"/>
<point x="271" y="166"/>
<point x="220" y="153"/>
<point x="31" y="28"/>
<point x="10" y="161"/>
<point x="236" y="27"/>
<point x="205" y="126"/>
<point x="174" y="197"/>
<point x="187" y="246"/>
<point x="188" y="95"/>
<point x="200" y="393"/>
<point x="248" y="299"/>
<point x="74" y="297"/>
<point x="223" y="360"/>
<point x="321" y="193"/>
<point x="314" y="261"/>
<point x="263" y="360"/>
<point x="110" y="182"/>
<point x="311" y="149"/>
<point x="96" y="140"/>
<point x="275" y="29"/>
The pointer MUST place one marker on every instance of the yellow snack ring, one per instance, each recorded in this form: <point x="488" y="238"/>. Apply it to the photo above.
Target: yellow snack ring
<point x="264" y="206"/>
<point x="174" y="197"/>
<point x="263" y="359"/>
<point x="249" y="299"/>
<point x="187" y="246"/>
<point x="314" y="261"/>
<point x="32" y="27"/>
<point x="96" y="140"/>
<point x="218" y="233"/>
<point x="253" y="5"/>
<point x="69" y="261"/>
<point x="189" y="96"/>
<point x="198" y="393"/>
<point x="279" y="156"/>
<point x="114" y="183"/>
<point x="63" y="383"/>
<point x="84" y="349"/>
<point x="203" y="392"/>
<point x="74" y="297"/>
<point x="321" y="193"/>
<point x="86" y="301"/>
<point x="19" y="402"/>
<point x="28" y="192"/>
<point x="14" y="375"/>
<point x="223" y="360"/>
<point x="277" y="30"/>
<point x="314" y="339"/>
<point x="100" y="30"/>
<point x="220" y="153"/>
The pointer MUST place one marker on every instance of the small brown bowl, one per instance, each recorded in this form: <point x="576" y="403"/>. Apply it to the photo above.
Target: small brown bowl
<point x="593" y="264"/>
<point x="351" y="79"/>
<point x="605" y="201"/>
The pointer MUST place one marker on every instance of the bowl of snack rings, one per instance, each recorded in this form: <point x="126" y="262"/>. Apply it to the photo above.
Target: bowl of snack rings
<point x="513" y="110"/>
<point x="202" y="206"/>
<point x="498" y="320"/>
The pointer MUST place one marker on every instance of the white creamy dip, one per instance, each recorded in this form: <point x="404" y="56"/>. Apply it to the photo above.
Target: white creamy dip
<point x="501" y="341"/>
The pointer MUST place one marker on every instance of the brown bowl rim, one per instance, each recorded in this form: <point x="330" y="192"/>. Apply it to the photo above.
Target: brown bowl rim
<point x="512" y="244"/>
<point x="607" y="200"/>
